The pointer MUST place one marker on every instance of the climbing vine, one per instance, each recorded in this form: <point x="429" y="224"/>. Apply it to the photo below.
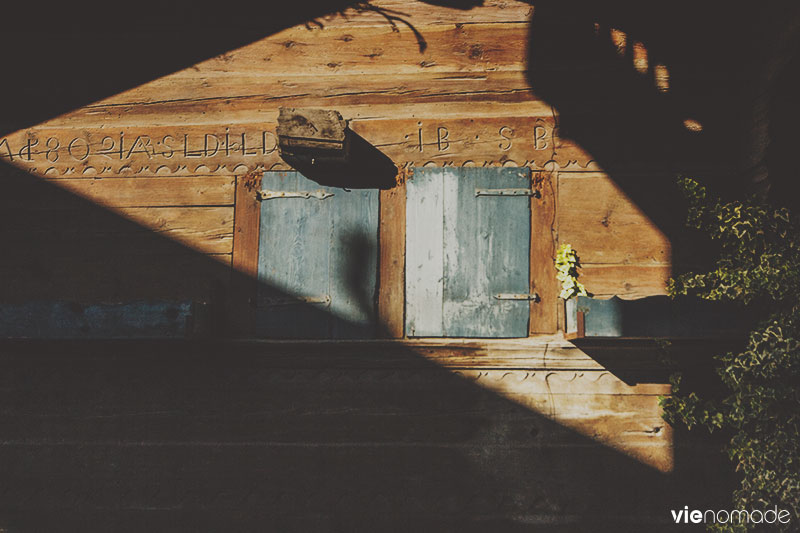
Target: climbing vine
<point x="758" y="265"/>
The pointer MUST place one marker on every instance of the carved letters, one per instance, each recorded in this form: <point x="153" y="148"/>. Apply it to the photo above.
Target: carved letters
<point x="509" y="141"/>
<point x="121" y="147"/>
<point x="526" y="141"/>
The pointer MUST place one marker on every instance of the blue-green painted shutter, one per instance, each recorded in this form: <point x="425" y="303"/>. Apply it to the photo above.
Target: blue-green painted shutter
<point x="464" y="249"/>
<point x="317" y="261"/>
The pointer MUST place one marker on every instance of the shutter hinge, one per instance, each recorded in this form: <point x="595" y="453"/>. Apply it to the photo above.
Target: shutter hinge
<point x="508" y="192"/>
<point x="270" y="195"/>
<point x="533" y="297"/>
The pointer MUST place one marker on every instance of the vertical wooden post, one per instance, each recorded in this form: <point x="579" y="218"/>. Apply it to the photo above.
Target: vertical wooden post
<point x="544" y="240"/>
<point x="581" y="324"/>
<point x="244" y="282"/>
<point x="391" y="276"/>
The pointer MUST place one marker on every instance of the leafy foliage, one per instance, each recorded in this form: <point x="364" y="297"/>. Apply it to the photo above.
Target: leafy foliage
<point x="567" y="264"/>
<point x="758" y="265"/>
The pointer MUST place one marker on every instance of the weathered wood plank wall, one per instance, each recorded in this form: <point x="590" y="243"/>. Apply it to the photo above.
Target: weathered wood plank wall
<point x="622" y="252"/>
<point x="150" y="194"/>
<point x="361" y="436"/>
<point x="164" y="155"/>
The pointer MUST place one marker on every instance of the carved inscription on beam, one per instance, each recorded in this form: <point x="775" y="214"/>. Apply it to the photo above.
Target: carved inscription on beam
<point x="236" y="149"/>
<point x="140" y="151"/>
<point x="505" y="141"/>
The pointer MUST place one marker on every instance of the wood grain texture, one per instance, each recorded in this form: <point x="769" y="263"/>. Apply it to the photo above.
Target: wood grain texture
<point x="446" y="135"/>
<point x="294" y="260"/>
<point x="425" y="204"/>
<point x="622" y="251"/>
<point x="247" y="224"/>
<point x="486" y="253"/>
<point x="449" y="73"/>
<point x="208" y="230"/>
<point x="392" y="250"/>
<point x="544" y="236"/>
<point x="353" y="276"/>
<point x="491" y="11"/>
<point x="299" y="52"/>
<point x="244" y="262"/>
<point x="628" y="282"/>
<point x="320" y="249"/>
<point x="493" y="93"/>
<point x="448" y="435"/>
<point x="462" y="250"/>
<point x="604" y="225"/>
<point x="238" y="426"/>
<point x="171" y="191"/>
<point x="61" y="246"/>
<point x="455" y="93"/>
<point x="141" y="230"/>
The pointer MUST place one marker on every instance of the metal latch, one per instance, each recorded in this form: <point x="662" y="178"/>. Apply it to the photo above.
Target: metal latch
<point x="516" y="296"/>
<point x="324" y="300"/>
<point x="508" y="192"/>
<point x="269" y="195"/>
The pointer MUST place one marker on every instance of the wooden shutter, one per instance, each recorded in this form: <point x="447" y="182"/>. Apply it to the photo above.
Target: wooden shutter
<point x="464" y="248"/>
<point x="317" y="261"/>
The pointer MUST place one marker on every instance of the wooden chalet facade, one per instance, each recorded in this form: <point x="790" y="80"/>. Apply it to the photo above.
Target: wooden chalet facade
<point x="186" y="149"/>
<point x="330" y="345"/>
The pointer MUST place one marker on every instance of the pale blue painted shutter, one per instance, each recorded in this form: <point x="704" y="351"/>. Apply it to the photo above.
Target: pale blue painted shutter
<point x="464" y="249"/>
<point x="317" y="261"/>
